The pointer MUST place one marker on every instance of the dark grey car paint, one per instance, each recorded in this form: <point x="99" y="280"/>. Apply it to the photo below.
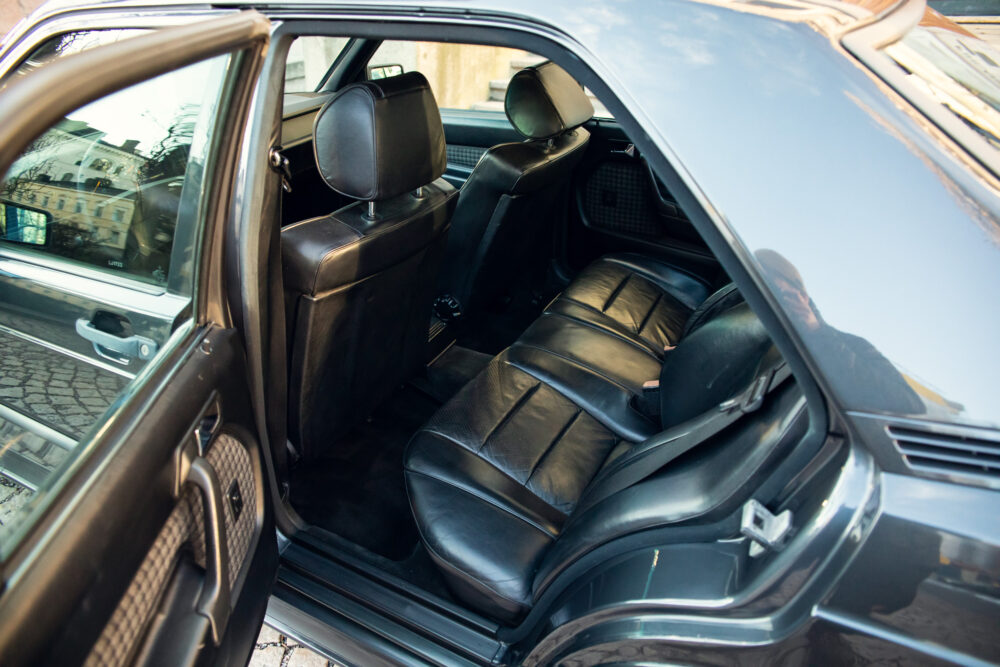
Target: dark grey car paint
<point x="792" y="146"/>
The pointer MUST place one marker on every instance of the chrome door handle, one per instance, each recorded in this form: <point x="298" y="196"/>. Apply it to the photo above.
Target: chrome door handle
<point x="108" y="345"/>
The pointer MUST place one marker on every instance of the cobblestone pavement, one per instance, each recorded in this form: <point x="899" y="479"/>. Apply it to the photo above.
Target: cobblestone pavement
<point x="276" y="650"/>
<point x="62" y="392"/>
<point x="12" y="497"/>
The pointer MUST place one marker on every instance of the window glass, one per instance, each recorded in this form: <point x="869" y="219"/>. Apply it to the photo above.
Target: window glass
<point x="959" y="71"/>
<point x="462" y="76"/>
<point x="113" y="174"/>
<point x="105" y="187"/>
<point x="65" y="45"/>
<point x="309" y="59"/>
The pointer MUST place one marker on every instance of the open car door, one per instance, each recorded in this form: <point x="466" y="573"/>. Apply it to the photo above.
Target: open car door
<point x="147" y="536"/>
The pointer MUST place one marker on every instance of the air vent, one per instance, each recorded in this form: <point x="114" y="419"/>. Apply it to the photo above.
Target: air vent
<point x="948" y="454"/>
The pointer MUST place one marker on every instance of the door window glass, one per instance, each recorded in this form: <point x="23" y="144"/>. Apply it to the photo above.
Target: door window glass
<point x="127" y="154"/>
<point x="309" y="60"/>
<point x="114" y="186"/>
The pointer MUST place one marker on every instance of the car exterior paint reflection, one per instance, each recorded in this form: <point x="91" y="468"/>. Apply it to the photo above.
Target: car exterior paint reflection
<point x="789" y="142"/>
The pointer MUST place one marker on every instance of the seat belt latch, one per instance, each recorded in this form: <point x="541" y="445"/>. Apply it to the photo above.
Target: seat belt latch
<point x="765" y="530"/>
<point x="648" y="403"/>
<point x="752" y="397"/>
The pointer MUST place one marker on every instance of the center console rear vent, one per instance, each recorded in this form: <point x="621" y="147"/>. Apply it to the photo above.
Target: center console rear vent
<point x="946" y="453"/>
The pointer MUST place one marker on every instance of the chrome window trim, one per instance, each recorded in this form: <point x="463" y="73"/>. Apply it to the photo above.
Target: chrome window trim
<point x="41" y="28"/>
<point x="132" y="295"/>
<point x="64" y="265"/>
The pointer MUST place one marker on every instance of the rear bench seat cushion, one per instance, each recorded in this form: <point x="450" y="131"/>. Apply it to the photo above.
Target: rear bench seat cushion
<point x="633" y="296"/>
<point x="492" y="477"/>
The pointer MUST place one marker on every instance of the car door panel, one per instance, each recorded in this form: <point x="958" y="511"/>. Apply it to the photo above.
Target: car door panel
<point x="157" y="543"/>
<point x="619" y="205"/>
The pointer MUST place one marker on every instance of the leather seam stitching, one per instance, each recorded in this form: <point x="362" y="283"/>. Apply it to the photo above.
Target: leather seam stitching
<point x="551" y="446"/>
<point x="615" y="293"/>
<point x="499" y="470"/>
<point x="645" y="320"/>
<point x="486" y="499"/>
<point x="622" y="334"/>
<point x="572" y="361"/>
<point x="510" y="413"/>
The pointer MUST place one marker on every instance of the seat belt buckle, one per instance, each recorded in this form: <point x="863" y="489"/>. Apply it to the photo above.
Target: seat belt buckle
<point x="752" y="397"/>
<point x="648" y="403"/>
<point x="766" y="531"/>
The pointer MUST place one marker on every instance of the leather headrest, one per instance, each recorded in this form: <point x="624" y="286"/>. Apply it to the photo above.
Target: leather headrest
<point x="544" y="101"/>
<point x="378" y="139"/>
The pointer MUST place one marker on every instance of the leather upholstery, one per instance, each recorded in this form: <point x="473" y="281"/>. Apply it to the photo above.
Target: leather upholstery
<point x="503" y="225"/>
<point x="544" y="101"/>
<point x="378" y="139"/>
<point x="638" y="298"/>
<point x="358" y="291"/>
<point x="498" y="479"/>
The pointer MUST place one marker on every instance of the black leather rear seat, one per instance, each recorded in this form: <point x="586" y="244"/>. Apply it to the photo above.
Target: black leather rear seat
<point x="495" y="477"/>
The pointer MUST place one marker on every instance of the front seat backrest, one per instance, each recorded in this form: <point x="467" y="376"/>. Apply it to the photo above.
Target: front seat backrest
<point x="503" y="225"/>
<point x="359" y="282"/>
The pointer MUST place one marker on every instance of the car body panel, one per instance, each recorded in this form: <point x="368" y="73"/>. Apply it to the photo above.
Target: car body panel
<point x="801" y="157"/>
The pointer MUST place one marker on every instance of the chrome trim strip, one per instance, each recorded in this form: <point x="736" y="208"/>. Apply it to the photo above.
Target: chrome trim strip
<point x="69" y="353"/>
<point x="160" y="304"/>
<point x="24" y="471"/>
<point x="38" y="428"/>
<point x="42" y="25"/>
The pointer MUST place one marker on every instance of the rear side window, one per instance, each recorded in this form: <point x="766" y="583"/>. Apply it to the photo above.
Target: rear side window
<point x="957" y="72"/>
<point x="105" y="187"/>
<point x="462" y="76"/>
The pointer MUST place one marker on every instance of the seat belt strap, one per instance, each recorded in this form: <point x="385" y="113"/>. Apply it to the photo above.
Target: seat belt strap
<point x="677" y="441"/>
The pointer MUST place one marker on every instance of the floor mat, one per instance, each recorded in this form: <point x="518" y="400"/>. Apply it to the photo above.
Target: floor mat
<point x="450" y="372"/>
<point x="358" y="492"/>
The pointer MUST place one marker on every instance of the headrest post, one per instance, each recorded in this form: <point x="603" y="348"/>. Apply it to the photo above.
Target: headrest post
<point x="419" y="192"/>
<point x="371" y="211"/>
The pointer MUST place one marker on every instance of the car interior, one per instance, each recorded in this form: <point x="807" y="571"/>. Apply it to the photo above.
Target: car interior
<point x="494" y="324"/>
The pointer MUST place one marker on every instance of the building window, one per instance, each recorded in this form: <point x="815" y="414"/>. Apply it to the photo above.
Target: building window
<point x="117" y="215"/>
<point x="45" y="200"/>
<point x="61" y="203"/>
<point x="68" y="176"/>
<point x="98" y="211"/>
<point x="79" y="207"/>
<point x="116" y="237"/>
